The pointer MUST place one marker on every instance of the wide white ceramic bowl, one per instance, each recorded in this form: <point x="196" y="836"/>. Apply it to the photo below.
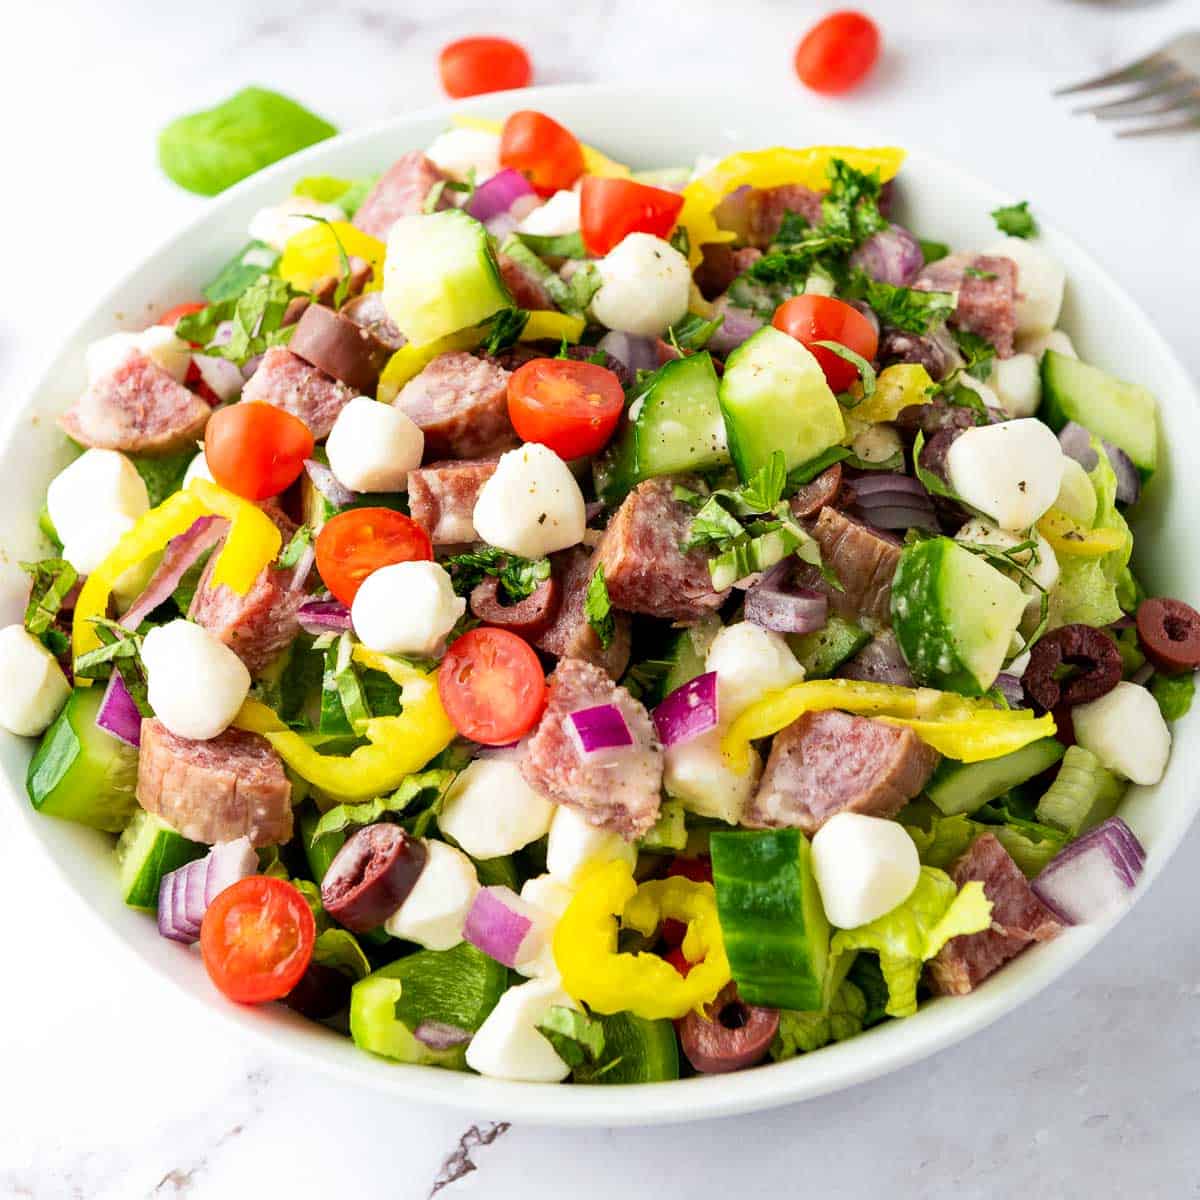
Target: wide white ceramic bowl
<point x="645" y="127"/>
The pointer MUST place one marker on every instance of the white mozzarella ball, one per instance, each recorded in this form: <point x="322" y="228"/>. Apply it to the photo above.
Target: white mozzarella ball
<point x="93" y="503"/>
<point x="1042" y="566"/>
<point x="864" y="867"/>
<point x="434" y="912"/>
<point x="279" y="223"/>
<point x="1038" y="343"/>
<point x="1040" y="283"/>
<point x="508" y="1045"/>
<point x="372" y="446"/>
<point x="158" y="343"/>
<point x="1076" y="495"/>
<point x="556" y="218"/>
<point x="406" y="608"/>
<point x="490" y="810"/>
<point x="1018" y="384"/>
<point x="35" y="689"/>
<point x="531" y="505"/>
<point x="749" y="661"/>
<point x="1011" y="471"/>
<point x="195" y="683"/>
<point x="198" y="468"/>
<point x="695" y="772"/>
<point x="644" y="286"/>
<point x="1125" y="730"/>
<point x="877" y="443"/>
<point x="459" y="152"/>
<point x="574" y="843"/>
<point x="550" y="898"/>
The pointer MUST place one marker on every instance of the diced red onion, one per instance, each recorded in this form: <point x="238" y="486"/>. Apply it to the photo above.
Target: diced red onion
<point x="439" y="1035"/>
<point x="303" y="568"/>
<point x="327" y="483"/>
<point x="891" y="256"/>
<point x="889" y="500"/>
<point x="1092" y="878"/>
<point x="688" y="711"/>
<point x="503" y="926"/>
<point x="1076" y="443"/>
<point x="879" y="661"/>
<point x="118" y="714"/>
<point x="501" y="225"/>
<point x="772" y="604"/>
<point x="1011" y="689"/>
<point x="738" y="324"/>
<point x="599" y="729"/>
<point x="637" y="353"/>
<point x="181" y="553"/>
<point x="251" y="365"/>
<point x="497" y="194"/>
<point x="166" y="910"/>
<point x="221" y="374"/>
<point x="185" y="893"/>
<point x="223" y="334"/>
<point x="227" y="863"/>
<point x="324" y="616"/>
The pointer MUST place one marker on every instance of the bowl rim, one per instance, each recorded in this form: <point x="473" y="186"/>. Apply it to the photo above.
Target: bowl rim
<point x="876" y="1052"/>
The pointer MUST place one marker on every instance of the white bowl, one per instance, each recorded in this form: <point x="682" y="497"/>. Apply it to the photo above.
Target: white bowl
<point x="646" y="127"/>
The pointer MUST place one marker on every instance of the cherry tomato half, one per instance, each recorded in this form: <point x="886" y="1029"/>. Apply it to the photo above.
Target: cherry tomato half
<point x="610" y="209"/>
<point x="257" y="939"/>
<point x="474" y="65"/>
<point x="838" y="52"/>
<point x="354" y="544"/>
<point x="811" y="319"/>
<point x="492" y="686"/>
<point x="172" y="315"/>
<point x="570" y="406"/>
<point x="256" y="450"/>
<point x="541" y="149"/>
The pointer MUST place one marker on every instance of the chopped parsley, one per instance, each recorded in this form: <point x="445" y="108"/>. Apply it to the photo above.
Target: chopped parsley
<point x="597" y="608"/>
<point x="909" y="309"/>
<point x="1015" y="219"/>
<point x="53" y="579"/>
<point x="504" y="329"/>
<point x="256" y="316"/>
<point x="294" y="550"/>
<point x="519" y="577"/>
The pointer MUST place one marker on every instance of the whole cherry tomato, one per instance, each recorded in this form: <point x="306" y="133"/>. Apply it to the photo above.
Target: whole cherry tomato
<point x="838" y="52"/>
<point x="256" y="450"/>
<point x="474" y="65"/>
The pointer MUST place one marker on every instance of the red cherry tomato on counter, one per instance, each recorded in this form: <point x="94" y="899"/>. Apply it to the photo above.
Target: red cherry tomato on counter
<point x="354" y="544"/>
<point x="256" y="450"/>
<point x="257" y="939"/>
<point x="540" y="148"/>
<point x="612" y="208"/>
<point x="492" y="686"/>
<point x="474" y="65"/>
<point x="570" y="406"/>
<point x="811" y="319"/>
<point x="172" y="315"/>
<point x="838" y="52"/>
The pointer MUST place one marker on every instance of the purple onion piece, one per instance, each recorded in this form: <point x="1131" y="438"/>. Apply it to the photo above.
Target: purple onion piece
<point x="687" y="712"/>
<point x="1142" y="675"/>
<point x="327" y="483"/>
<point x="888" y="483"/>
<point x="187" y="899"/>
<point x="222" y="375"/>
<point x="637" y="353"/>
<point x="223" y="334"/>
<point x="166" y="910"/>
<point x="181" y="552"/>
<point x="251" y="365"/>
<point x="891" y="256"/>
<point x="1011" y="689"/>
<point x="1129" y="482"/>
<point x="772" y="603"/>
<point x="227" y="863"/>
<point x="498" y="924"/>
<point x="1092" y="877"/>
<point x="118" y="713"/>
<point x="498" y="194"/>
<point x="599" y="729"/>
<point x="1076" y="443"/>
<point x="738" y="324"/>
<point x="324" y="616"/>
<point x="438" y="1035"/>
<point x="879" y="661"/>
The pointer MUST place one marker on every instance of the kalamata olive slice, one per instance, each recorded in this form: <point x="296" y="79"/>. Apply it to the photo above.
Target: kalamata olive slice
<point x="334" y="344"/>
<point x="1092" y="665"/>
<point x="732" y="1034"/>
<point x="1169" y="634"/>
<point x="321" y="992"/>
<point x="817" y="493"/>
<point x="371" y="875"/>
<point x="529" y="617"/>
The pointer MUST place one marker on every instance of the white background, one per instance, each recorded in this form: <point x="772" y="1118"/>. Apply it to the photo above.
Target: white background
<point x="112" y="1089"/>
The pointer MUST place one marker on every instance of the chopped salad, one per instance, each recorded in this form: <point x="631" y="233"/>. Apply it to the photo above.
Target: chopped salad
<point x="573" y="623"/>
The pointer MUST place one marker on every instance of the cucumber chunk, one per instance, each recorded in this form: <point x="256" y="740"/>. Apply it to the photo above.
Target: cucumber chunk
<point x="688" y="652"/>
<point x="80" y="772"/>
<point x="958" y="787"/>
<point x="954" y="616"/>
<point x="821" y="653"/>
<point x="646" y="1051"/>
<point x="147" y="850"/>
<point x="1119" y="412"/>
<point x="1084" y="793"/>
<point x="669" y="833"/>
<point x="774" y="397"/>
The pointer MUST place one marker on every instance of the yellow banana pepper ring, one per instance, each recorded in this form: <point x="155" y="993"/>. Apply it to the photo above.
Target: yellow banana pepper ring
<point x="897" y="387"/>
<point x="609" y="981"/>
<point x="312" y="254"/>
<point x="1069" y="537"/>
<point x="967" y="730"/>
<point x="252" y="543"/>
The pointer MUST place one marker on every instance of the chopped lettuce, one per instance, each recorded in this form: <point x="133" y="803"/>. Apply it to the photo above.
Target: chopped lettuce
<point x="802" y="1032"/>
<point x="339" y="949"/>
<point x="944" y="839"/>
<point x="1174" y="694"/>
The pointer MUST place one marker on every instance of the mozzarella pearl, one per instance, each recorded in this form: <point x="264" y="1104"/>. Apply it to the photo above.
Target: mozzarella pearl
<point x="864" y="867"/>
<point x="695" y="772"/>
<point x="372" y="446"/>
<point x="549" y="898"/>
<point x="1125" y="730"/>
<point x="508" y="1045"/>
<point x="279" y="223"/>
<point x="1043" y="570"/>
<point x="557" y="217"/>
<point x="195" y="683"/>
<point x="93" y="504"/>
<point x="574" y="842"/>
<point x="1018" y="384"/>
<point x="644" y="286"/>
<point x="458" y="152"/>
<point x="1040" y="283"/>
<point x="490" y="810"/>
<point x="1038" y="343"/>
<point x="434" y="912"/>
<point x="531" y="505"/>
<point x="749" y="661"/>
<point x="1076" y="496"/>
<point x="158" y="343"/>
<point x="406" y="608"/>
<point x="35" y="689"/>
<point x="1011" y="471"/>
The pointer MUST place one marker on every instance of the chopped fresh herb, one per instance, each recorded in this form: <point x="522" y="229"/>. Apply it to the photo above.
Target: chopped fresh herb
<point x="519" y="577"/>
<point x="1015" y="219"/>
<point x="578" y="1039"/>
<point x="53" y="579"/>
<point x="932" y="251"/>
<point x="162" y="475"/>
<point x="433" y="197"/>
<point x="251" y="261"/>
<point x="563" y="245"/>
<point x="713" y="525"/>
<point x="807" y="472"/>
<point x="910" y="309"/>
<point x="1174" y="694"/>
<point x="645" y="680"/>
<point x="866" y="372"/>
<point x="978" y="351"/>
<point x="503" y="329"/>
<point x="294" y="550"/>
<point x="680" y="240"/>
<point x="119" y="649"/>
<point x="793" y="227"/>
<point x="419" y="796"/>
<point x="851" y="206"/>
<point x="693" y="332"/>
<point x="598" y="608"/>
<point x="257" y="317"/>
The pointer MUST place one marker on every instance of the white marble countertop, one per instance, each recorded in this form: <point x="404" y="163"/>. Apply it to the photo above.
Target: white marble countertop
<point x="111" y="1089"/>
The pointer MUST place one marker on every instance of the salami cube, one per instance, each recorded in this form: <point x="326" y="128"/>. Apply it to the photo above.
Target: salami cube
<point x="986" y="286"/>
<point x="441" y="499"/>
<point x="400" y="192"/>
<point x="285" y="380"/>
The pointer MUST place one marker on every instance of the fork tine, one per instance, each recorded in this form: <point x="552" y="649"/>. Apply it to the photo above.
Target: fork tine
<point x="1143" y="68"/>
<point x="1165" y="127"/>
<point x="1132" y="101"/>
<point x="1183" y="101"/>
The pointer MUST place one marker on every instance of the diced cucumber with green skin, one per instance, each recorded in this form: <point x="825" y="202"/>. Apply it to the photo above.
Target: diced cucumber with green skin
<point x="647" y="1051"/>
<point x="318" y="854"/>
<point x="47" y="527"/>
<point x="455" y="987"/>
<point x="958" y="787"/>
<point x="774" y="397"/>
<point x="441" y="275"/>
<point x="147" y="850"/>
<point x="954" y="616"/>
<point x="776" y="933"/>
<point x="669" y="833"/>
<point x="1083" y="794"/>
<point x="821" y="653"/>
<point x="1119" y="412"/>
<point x="82" y="773"/>
<point x="688" y="652"/>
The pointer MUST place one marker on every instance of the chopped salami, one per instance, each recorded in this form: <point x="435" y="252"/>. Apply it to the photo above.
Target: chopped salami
<point x="616" y="790"/>
<point x="441" y="499"/>
<point x="830" y="762"/>
<point x="644" y="568"/>
<point x="864" y="561"/>
<point x="138" y="407"/>
<point x="228" y="787"/>
<point x="721" y="265"/>
<point x="986" y="287"/>
<point x="285" y="380"/>
<point x="461" y="403"/>
<point x="1019" y="919"/>
<point x="400" y="192"/>
<point x="756" y="214"/>
<point x="367" y="311"/>
<point x="523" y="285"/>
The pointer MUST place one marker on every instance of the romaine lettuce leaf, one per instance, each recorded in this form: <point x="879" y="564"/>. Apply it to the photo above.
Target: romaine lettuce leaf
<point x="802" y="1032"/>
<point x="944" y="839"/>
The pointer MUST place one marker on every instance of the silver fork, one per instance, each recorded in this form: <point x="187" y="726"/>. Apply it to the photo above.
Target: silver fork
<point x="1164" y="85"/>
